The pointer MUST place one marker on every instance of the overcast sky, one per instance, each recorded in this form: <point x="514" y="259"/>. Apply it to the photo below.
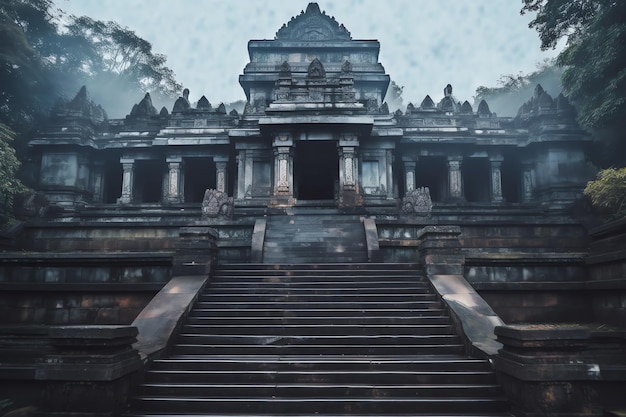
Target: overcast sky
<point x="425" y="44"/>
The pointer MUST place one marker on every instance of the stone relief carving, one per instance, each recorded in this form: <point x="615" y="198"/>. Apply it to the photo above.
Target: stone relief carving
<point x="417" y="203"/>
<point x="217" y="204"/>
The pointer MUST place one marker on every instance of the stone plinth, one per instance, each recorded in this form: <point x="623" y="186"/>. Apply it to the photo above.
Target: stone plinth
<point x="561" y="370"/>
<point x="91" y="372"/>
<point x="195" y="251"/>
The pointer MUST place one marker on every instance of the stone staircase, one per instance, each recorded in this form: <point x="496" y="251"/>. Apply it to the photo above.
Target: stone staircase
<point x="314" y="238"/>
<point x="323" y="340"/>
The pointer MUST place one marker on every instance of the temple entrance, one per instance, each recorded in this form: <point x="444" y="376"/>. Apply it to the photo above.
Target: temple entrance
<point x="316" y="170"/>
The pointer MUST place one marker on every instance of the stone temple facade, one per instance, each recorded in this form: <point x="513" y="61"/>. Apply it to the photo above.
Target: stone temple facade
<point x="315" y="130"/>
<point x="349" y="212"/>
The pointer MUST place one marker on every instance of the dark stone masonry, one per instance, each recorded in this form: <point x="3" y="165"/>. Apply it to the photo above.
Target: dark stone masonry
<point x="313" y="254"/>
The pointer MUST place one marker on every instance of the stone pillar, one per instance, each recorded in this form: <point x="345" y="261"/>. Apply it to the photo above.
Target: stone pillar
<point x="496" y="179"/>
<point x="528" y="182"/>
<point x="455" y="180"/>
<point x="173" y="180"/>
<point x="409" y="176"/>
<point x="220" y="176"/>
<point x="128" y="179"/>
<point x="282" y="170"/>
<point x="389" y="162"/>
<point x="349" y="193"/>
<point x="97" y="182"/>
<point x="241" y="174"/>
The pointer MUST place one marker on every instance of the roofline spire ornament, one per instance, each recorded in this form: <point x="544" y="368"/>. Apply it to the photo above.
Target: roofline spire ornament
<point x="313" y="25"/>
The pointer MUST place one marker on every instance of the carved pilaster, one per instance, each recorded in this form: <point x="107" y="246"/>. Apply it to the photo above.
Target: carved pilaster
<point x="173" y="181"/>
<point x="97" y="182"/>
<point x="455" y="180"/>
<point x="220" y="176"/>
<point x="128" y="177"/>
<point x="496" y="179"/>
<point x="528" y="182"/>
<point x="389" y="162"/>
<point x="282" y="166"/>
<point x="409" y="176"/>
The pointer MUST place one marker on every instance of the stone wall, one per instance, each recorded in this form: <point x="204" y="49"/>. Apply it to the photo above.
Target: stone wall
<point x="74" y="288"/>
<point x="606" y="265"/>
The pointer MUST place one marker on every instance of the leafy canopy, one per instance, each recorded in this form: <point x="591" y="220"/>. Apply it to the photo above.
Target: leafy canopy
<point x="594" y="62"/>
<point x="608" y="192"/>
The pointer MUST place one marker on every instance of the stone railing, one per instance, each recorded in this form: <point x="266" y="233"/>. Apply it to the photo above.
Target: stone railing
<point x="442" y="259"/>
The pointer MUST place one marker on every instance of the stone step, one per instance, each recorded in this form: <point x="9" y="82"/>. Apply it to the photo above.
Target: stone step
<point x="334" y="349"/>
<point x="350" y="405"/>
<point x="354" y="390"/>
<point x="289" y="297"/>
<point x="308" y="330"/>
<point x="255" y="320"/>
<point x="290" y="267"/>
<point x="212" y="311"/>
<point x="324" y="340"/>
<point x="346" y="363"/>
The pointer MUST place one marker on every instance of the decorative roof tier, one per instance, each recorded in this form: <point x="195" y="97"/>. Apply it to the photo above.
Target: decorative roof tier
<point x="313" y="25"/>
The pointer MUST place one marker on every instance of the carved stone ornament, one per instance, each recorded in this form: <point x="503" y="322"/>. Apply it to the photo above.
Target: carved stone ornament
<point x="417" y="203"/>
<point x="313" y="25"/>
<point x="217" y="204"/>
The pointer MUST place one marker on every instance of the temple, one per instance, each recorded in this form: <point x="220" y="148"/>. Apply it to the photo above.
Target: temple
<point x="435" y="260"/>
<point x="315" y="128"/>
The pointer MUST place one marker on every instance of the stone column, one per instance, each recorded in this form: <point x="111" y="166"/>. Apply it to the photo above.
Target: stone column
<point x="455" y="180"/>
<point x="347" y="170"/>
<point x="220" y="176"/>
<point x="496" y="179"/>
<point x="409" y="176"/>
<point x="128" y="179"/>
<point x="282" y="170"/>
<point x="390" y="185"/>
<point x="241" y="174"/>
<point x="97" y="182"/>
<point x="528" y="181"/>
<point x="173" y="180"/>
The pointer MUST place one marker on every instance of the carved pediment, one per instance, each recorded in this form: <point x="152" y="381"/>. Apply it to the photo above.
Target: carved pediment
<point x="313" y="25"/>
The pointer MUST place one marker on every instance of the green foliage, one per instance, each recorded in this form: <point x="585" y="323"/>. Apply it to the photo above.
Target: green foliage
<point x="608" y="192"/>
<point x="112" y="51"/>
<point x="594" y="63"/>
<point x="9" y="184"/>
<point x="41" y="61"/>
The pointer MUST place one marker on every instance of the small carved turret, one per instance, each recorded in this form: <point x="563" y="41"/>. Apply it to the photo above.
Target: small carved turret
<point x="203" y="104"/>
<point x="316" y="70"/>
<point x="427" y="103"/>
<point x="483" y="109"/>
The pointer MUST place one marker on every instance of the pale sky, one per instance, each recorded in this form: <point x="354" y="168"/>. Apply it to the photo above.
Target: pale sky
<point x="425" y="44"/>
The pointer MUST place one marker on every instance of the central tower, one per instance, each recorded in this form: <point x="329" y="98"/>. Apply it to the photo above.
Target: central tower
<point x="309" y="36"/>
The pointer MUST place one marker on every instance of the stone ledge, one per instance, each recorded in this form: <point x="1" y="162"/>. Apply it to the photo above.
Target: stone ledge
<point x="36" y="286"/>
<point x="160" y="319"/>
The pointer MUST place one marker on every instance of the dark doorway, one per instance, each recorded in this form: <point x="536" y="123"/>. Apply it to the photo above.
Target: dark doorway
<point x="148" y="181"/>
<point x="431" y="172"/>
<point x="199" y="176"/>
<point x="112" y="181"/>
<point x="477" y="180"/>
<point x="316" y="170"/>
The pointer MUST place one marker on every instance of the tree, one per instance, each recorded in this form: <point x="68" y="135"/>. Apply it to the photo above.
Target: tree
<point x="594" y="63"/>
<point x="608" y="192"/>
<point x="117" y="52"/>
<point x="9" y="184"/>
<point x="513" y="90"/>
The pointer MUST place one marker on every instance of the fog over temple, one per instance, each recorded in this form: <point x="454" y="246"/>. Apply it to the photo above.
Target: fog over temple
<point x="315" y="254"/>
<point x="315" y="128"/>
